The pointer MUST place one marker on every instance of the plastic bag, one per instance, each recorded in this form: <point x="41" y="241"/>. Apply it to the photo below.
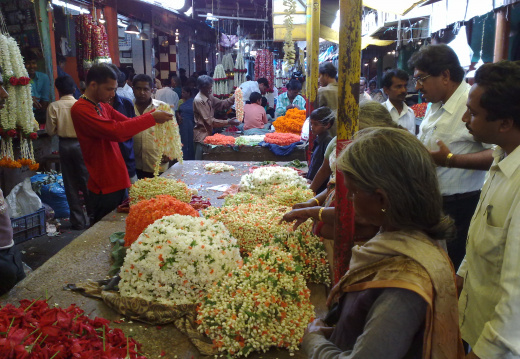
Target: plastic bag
<point x="23" y="200"/>
<point x="54" y="195"/>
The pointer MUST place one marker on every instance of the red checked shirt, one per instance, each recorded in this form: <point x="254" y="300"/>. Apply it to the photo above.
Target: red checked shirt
<point x="99" y="129"/>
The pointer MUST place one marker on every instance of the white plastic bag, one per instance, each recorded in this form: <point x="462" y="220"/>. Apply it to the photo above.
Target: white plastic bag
<point x="23" y="200"/>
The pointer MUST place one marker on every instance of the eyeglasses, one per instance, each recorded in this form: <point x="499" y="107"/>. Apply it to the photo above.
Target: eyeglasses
<point x="419" y="80"/>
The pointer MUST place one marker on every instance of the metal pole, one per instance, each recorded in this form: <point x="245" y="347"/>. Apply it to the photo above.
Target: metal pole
<point x="348" y="97"/>
<point x="502" y="28"/>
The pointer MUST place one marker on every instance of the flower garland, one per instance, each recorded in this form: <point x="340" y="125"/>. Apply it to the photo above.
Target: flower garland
<point x="220" y="86"/>
<point x="262" y="178"/>
<point x="292" y="122"/>
<point x="17" y="117"/>
<point x="264" y="303"/>
<point x="288" y="45"/>
<point x="35" y="330"/>
<point x="168" y="139"/>
<point x="217" y="167"/>
<point x="419" y="109"/>
<point x="239" y="104"/>
<point x="251" y="140"/>
<point x="144" y="213"/>
<point x="219" y="140"/>
<point x="148" y="188"/>
<point x="228" y="63"/>
<point x="281" y="139"/>
<point x="240" y="71"/>
<point x="177" y="258"/>
<point x="92" y="44"/>
<point x="264" y="67"/>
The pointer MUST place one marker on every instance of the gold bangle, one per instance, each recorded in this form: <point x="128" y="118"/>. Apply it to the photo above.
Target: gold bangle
<point x="448" y="158"/>
<point x="314" y="198"/>
<point x="319" y="214"/>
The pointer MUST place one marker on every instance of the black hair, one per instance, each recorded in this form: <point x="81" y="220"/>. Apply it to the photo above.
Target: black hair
<point x="60" y="59"/>
<point x="189" y="90"/>
<point x="29" y="55"/>
<point x="176" y="78"/>
<point x="264" y="81"/>
<point x="100" y="74"/>
<point x="390" y="74"/>
<point x="181" y="70"/>
<point x="129" y="72"/>
<point x="327" y="68"/>
<point x="264" y="101"/>
<point x="434" y="59"/>
<point x="248" y="77"/>
<point x="323" y="115"/>
<point x="501" y="83"/>
<point x="65" y="85"/>
<point x="121" y="77"/>
<point x="255" y="96"/>
<point x="294" y="85"/>
<point x="372" y="82"/>
<point x="143" y="78"/>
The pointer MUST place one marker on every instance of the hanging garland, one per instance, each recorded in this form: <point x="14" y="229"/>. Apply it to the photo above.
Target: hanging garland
<point x="264" y="67"/>
<point x="240" y="71"/>
<point x="288" y="46"/>
<point x="229" y="65"/>
<point x="17" y="117"/>
<point x="92" y="44"/>
<point x="220" y="86"/>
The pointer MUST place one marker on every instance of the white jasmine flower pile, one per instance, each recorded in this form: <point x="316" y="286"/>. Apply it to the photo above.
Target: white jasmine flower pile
<point x="283" y="195"/>
<point x="262" y="304"/>
<point x="258" y="223"/>
<point x="262" y="178"/>
<point x="217" y="167"/>
<point x="251" y="140"/>
<point x="148" y="188"/>
<point x="168" y="139"/>
<point x="177" y="258"/>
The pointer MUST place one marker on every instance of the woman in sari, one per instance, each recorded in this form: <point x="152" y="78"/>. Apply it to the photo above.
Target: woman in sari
<point x="398" y="299"/>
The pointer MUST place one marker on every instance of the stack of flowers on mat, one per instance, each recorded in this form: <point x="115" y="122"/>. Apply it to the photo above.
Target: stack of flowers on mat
<point x="262" y="178"/>
<point x="281" y="139"/>
<point x="264" y="303"/>
<point x="147" y="188"/>
<point x="35" y="330"/>
<point x="219" y="140"/>
<point x="177" y="258"/>
<point x="283" y="195"/>
<point x="217" y="167"/>
<point x="292" y="122"/>
<point x="251" y="140"/>
<point x="146" y="212"/>
<point x="259" y="223"/>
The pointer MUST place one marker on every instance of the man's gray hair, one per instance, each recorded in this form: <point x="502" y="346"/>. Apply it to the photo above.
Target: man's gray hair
<point x="396" y="162"/>
<point x="203" y="81"/>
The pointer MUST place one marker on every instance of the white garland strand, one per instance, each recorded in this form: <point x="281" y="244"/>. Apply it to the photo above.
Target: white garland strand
<point x="168" y="139"/>
<point x="239" y="104"/>
<point x="240" y="77"/>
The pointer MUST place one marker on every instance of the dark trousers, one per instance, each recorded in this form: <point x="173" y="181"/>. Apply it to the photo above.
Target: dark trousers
<point x="75" y="177"/>
<point x="461" y="208"/>
<point x="199" y="149"/>
<point x="103" y="204"/>
<point x="11" y="268"/>
<point x="143" y="174"/>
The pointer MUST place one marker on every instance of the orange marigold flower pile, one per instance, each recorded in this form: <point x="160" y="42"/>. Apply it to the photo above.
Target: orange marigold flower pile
<point x="146" y="212"/>
<point x="281" y="139"/>
<point x="292" y="122"/>
<point x="219" y="140"/>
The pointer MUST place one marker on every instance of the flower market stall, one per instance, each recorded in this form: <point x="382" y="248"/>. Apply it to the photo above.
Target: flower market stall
<point x="88" y="258"/>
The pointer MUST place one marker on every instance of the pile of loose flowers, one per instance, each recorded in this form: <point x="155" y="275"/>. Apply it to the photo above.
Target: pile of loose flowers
<point x="281" y="139"/>
<point x="262" y="304"/>
<point x="217" y="167"/>
<point x="35" y="330"/>
<point x="262" y="178"/>
<point x="177" y="258"/>
<point x="219" y="140"/>
<point x="251" y="140"/>
<point x="148" y="188"/>
<point x="292" y="122"/>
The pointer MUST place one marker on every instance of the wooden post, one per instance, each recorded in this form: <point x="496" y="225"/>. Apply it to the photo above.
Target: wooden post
<point x="53" y="52"/>
<point x="110" y="12"/>
<point x="313" y="49"/>
<point x="349" y="69"/>
<point x="502" y="28"/>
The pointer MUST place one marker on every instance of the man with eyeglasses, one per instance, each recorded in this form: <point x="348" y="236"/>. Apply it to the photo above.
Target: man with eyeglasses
<point x="462" y="161"/>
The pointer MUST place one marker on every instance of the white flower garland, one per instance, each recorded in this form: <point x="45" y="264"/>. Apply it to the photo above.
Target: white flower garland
<point x="177" y="258"/>
<point x="261" y="180"/>
<point x="168" y="139"/>
<point x="220" y="88"/>
<point x="239" y="104"/>
<point x="240" y="71"/>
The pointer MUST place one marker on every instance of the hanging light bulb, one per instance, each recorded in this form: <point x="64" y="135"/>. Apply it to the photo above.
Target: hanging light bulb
<point x="193" y="59"/>
<point x="206" y="60"/>
<point x="143" y="36"/>
<point x="375" y="59"/>
<point x="419" y="43"/>
<point x="49" y="6"/>
<point x="132" y="29"/>
<point x="192" y="47"/>
<point x="101" y="18"/>
<point x="176" y="32"/>
<point x="177" y="38"/>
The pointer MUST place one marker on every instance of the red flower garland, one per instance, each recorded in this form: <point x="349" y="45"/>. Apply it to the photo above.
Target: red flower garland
<point x="281" y="139"/>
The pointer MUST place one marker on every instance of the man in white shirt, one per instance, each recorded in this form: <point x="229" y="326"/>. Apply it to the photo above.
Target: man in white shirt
<point x="123" y="88"/>
<point x="363" y="95"/>
<point x="261" y="85"/>
<point x="394" y="85"/>
<point x="168" y="95"/>
<point x="489" y="309"/>
<point x="75" y="174"/>
<point x="461" y="160"/>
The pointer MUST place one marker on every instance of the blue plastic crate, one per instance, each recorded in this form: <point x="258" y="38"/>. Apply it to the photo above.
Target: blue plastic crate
<point x="29" y="226"/>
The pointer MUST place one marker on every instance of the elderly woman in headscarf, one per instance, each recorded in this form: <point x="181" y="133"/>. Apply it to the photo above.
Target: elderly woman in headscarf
<point x="398" y="299"/>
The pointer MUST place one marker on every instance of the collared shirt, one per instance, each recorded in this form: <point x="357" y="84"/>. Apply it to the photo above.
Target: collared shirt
<point x="405" y="119"/>
<point x="489" y="305"/>
<point x="99" y="129"/>
<point x="59" y="122"/>
<point x="125" y="107"/>
<point x="41" y="86"/>
<point x="328" y="96"/>
<point x="126" y="91"/>
<point x="444" y="122"/>
<point x="254" y="116"/>
<point x="145" y="148"/>
<point x="204" y="111"/>
<point x="168" y="95"/>
<point x="283" y="101"/>
<point x="248" y="88"/>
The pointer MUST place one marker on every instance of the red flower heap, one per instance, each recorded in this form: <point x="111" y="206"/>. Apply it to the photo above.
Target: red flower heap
<point x="34" y="330"/>
<point x="145" y="212"/>
<point x="281" y="139"/>
<point x="220" y="140"/>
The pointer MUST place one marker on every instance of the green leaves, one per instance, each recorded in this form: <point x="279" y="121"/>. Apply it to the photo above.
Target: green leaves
<point x="118" y="252"/>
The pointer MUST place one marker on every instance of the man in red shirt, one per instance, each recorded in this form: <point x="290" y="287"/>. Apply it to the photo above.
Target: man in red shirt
<point x="99" y="129"/>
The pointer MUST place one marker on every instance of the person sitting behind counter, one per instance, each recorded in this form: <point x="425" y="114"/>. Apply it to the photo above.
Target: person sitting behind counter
<point x="255" y="117"/>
